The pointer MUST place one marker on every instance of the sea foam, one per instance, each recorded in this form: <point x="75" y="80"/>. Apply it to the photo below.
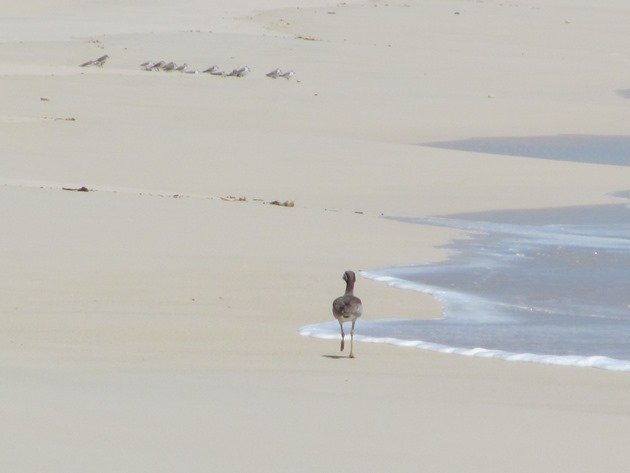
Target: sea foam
<point x="330" y="331"/>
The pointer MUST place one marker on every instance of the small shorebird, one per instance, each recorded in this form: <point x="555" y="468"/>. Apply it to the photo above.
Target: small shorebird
<point x="169" y="67"/>
<point x="158" y="65"/>
<point x="240" y="72"/>
<point x="274" y="74"/>
<point x="182" y="68"/>
<point x="287" y="75"/>
<point x="96" y="62"/>
<point x="212" y="69"/>
<point x="347" y="308"/>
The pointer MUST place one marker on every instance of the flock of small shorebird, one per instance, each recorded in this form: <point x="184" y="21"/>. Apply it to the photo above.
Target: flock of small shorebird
<point x="172" y="66"/>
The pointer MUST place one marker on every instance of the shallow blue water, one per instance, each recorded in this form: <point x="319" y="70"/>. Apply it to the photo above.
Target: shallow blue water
<point x="550" y="286"/>
<point x="600" y="149"/>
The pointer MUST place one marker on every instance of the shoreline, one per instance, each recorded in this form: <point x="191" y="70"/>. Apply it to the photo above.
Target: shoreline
<point x="384" y="330"/>
<point x="329" y="331"/>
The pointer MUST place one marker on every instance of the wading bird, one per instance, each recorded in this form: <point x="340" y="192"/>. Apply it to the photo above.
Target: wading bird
<point x="347" y="308"/>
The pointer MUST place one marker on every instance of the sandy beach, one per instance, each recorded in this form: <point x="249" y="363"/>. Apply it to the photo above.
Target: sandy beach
<point x="151" y="324"/>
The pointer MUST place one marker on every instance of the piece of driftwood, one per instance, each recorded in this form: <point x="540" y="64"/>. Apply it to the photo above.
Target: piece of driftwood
<point x="77" y="189"/>
<point x="286" y="203"/>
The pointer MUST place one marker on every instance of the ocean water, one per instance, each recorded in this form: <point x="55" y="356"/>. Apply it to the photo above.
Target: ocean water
<point x="599" y="149"/>
<point x="547" y="286"/>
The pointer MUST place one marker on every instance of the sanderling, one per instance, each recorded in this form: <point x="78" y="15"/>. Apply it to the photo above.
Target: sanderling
<point x="194" y="71"/>
<point x="182" y="68"/>
<point x="96" y="62"/>
<point x="212" y="69"/>
<point x="275" y="73"/>
<point x="287" y="75"/>
<point x="240" y="72"/>
<point x="169" y="67"/>
<point x="158" y="65"/>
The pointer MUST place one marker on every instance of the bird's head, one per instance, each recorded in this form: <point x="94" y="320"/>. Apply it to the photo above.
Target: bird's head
<point x="349" y="276"/>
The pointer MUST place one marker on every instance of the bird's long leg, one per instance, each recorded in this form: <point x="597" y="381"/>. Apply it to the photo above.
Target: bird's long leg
<point x="342" y="336"/>
<point x="352" y="339"/>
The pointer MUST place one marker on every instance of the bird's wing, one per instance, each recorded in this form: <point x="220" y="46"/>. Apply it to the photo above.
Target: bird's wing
<point x="347" y="305"/>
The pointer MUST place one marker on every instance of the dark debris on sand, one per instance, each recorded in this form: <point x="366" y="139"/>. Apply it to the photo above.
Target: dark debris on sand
<point x="77" y="189"/>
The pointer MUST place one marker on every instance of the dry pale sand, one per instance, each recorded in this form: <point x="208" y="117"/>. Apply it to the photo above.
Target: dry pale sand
<point x="150" y="326"/>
